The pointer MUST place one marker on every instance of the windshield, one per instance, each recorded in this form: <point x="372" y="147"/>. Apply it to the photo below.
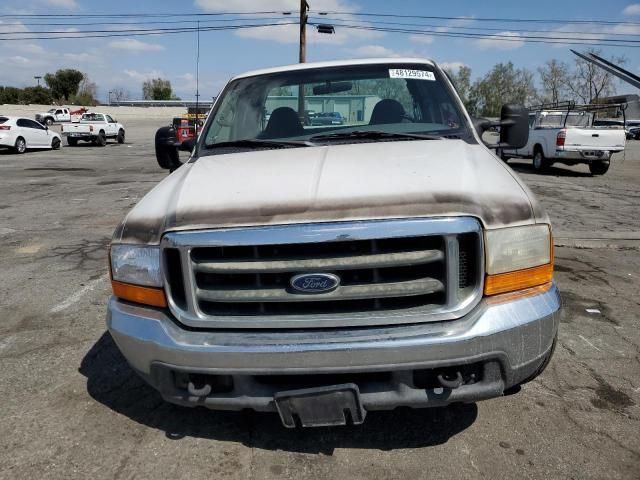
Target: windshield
<point x="299" y="105"/>
<point x="53" y="110"/>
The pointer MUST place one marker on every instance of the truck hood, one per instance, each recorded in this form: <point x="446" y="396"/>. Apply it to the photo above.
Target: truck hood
<point x="333" y="183"/>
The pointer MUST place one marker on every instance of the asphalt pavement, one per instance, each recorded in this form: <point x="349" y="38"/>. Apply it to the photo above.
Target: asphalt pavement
<point x="72" y="408"/>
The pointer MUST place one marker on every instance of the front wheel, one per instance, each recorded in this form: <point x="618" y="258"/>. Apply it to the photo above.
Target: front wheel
<point x="120" y="136"/>
<point x="599" y="168"/>
<point x="540" y="164"/>
<point x="55" y="143"/>
<point x="20" y="145"/>
<point x="49" y="121"/>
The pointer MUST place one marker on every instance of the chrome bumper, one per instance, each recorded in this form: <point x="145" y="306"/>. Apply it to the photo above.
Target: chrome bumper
<point x="518" y="334"/>
<point x="586" y="155"/>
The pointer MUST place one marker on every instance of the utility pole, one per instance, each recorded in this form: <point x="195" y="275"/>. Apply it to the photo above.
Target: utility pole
<point x="302" y="54"/>
<point x="304" y="8"/>
<point x="197" y="81"/>
<point x="38" y="77"/>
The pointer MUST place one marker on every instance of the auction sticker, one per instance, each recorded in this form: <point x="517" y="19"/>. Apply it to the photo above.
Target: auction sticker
<point x="407" y="73"/>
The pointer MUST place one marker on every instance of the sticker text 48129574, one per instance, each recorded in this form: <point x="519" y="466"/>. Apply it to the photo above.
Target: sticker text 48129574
<point x="415" y="74"/>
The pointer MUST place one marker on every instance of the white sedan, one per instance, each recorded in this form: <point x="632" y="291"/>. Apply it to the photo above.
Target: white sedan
<point x="20" y="133"/>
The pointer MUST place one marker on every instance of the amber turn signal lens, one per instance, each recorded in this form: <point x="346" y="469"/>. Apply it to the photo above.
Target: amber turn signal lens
<point x="135" y="293"/>
<point x="518" y="280"/>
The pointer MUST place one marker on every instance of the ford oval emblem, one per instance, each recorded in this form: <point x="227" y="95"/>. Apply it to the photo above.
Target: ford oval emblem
<point x="315" y="282"/>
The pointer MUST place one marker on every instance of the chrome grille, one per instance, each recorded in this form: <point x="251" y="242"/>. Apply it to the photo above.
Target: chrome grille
<point x="396" y="271"/>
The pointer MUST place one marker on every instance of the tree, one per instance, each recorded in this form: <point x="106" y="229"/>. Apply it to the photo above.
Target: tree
<point x="87" y="92"/>
<point x="554" y="76"/>
<point x="462" y="81"/>
<point x="590" y="82"/>
<point x="119" y="94"/>
<point x="64" y="83"/>
<point x="157" y="89"/>
<point x="503" y="84"/>
<point x="10" y="95"/>
<point x="36" y="95"/>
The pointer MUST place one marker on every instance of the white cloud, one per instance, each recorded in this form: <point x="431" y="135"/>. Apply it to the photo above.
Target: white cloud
<point x="499" y="43"/>
<point x="452" y="66"/>
<point x="142" y="76"/>
<point x="68" y="4"/>
<point x="375" y="51"/>
<point x="427" y="39"/>
<point x="133" y="45"/>
<point x="291" y="34"/>
<point x="633" y="9"/>
<point x="288" y="32"/>
<point x="17" y="59"/>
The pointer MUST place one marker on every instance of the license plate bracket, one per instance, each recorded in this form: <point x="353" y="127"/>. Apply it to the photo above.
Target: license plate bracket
<point x="332" y="405"/>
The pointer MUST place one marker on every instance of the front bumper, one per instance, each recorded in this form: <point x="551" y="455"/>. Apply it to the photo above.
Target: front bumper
<point x="506" y="343"/>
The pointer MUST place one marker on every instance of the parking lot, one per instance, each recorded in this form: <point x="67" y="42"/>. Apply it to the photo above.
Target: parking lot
<point x="72" y="408"/>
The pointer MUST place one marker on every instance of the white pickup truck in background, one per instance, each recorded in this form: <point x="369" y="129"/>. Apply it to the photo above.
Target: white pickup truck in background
<point x="568" y="137"/>
<point x="94" y="127"/>
<point x="52" y="115"/>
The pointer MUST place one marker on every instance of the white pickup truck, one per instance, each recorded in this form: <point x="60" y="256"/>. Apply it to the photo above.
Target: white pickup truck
<point x="57" y="114"/>
<point x="569" y="138"/>
<point x="94" y="127"/>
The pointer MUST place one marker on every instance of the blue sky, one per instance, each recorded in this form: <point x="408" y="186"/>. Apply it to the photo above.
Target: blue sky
<point x="126" y="61"/>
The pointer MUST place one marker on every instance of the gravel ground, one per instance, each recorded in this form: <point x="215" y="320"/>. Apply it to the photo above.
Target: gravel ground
<point x="72" y="408"/>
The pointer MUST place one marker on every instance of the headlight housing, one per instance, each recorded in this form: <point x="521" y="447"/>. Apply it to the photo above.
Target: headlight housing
<point x="518" y="258"/>
<point x="139" y="265"/>
<point x="136" y="274"/>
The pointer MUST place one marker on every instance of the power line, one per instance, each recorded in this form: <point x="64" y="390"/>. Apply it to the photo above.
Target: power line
<point x="139" y="15"/>
<point x="506" y="38"/>
<point x="448" y="28"/>
<point x="321" y="12"/>
<point x="123" y="33"/>
<point x="476" y="19"/>
<point x="129" y="30"/>
<point x="133" y="22"/>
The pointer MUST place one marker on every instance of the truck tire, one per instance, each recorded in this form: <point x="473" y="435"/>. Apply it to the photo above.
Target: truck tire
<point x="120" y="137"/>
<point x="20" y="145"/>
<point x="599" y="168"/>
<point x="101" y="139"/>
<point x="72" y="142"/>
<point x="540" y="163"/>
<point x="48" y="121"/>
<point x="55" y="144"/>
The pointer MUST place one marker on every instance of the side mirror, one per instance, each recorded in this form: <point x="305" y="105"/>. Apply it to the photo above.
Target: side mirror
<point x="166" y="149"/>
<point x="514" y="126"/>
<point x="187" y="145"/>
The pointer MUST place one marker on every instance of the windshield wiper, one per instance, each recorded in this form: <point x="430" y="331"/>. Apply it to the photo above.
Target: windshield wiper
<point x="259" y="143"/>
<point x="373" y="135"/>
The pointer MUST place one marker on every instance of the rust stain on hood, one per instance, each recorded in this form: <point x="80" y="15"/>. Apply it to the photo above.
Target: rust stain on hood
<point x="332" y="183"/>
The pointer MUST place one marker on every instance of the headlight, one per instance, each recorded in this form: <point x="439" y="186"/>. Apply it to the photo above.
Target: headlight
<point x="139" y="265"/>
<point x="518" y="258"/>
<point x="136" y="274"/>
<point x="510" y="249"/>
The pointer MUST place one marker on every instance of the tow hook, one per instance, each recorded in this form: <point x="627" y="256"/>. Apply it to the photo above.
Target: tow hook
<point x="202" y="391"/>
<point x="448" y="380"/>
